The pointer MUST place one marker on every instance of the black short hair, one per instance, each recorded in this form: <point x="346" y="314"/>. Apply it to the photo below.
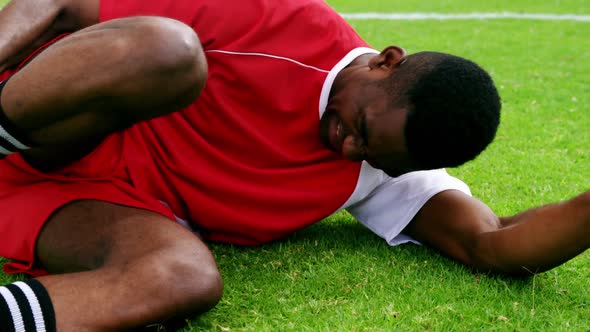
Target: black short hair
<point x="454" y="111"/>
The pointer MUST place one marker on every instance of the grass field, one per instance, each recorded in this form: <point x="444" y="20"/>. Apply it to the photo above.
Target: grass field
<point x="337" y="276"/>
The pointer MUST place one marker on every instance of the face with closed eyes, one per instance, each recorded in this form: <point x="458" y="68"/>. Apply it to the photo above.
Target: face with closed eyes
<point x="360" y="122"/>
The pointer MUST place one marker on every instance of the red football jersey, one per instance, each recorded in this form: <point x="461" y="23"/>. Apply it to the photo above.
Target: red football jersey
<point x="244" y="163"/>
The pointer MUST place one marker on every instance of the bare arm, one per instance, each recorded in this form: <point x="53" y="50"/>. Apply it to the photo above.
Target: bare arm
<point x="534" y="241"/>
<point x="27" y="24"/>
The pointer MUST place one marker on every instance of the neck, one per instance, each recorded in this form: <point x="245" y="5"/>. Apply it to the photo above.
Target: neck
<point x="361" y="60"/>
<point x="341" y="78"/>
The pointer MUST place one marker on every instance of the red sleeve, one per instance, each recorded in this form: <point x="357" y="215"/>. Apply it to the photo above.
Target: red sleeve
<point x="181" y="10"/>
<point x="267" y="26"/>
<point x="189" y="12"/>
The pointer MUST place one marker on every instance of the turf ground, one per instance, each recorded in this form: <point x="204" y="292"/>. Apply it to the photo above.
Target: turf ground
<point x="337" y="276"/>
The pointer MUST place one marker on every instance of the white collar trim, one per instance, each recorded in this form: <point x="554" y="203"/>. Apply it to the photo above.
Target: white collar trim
<point x="348" y="58"/>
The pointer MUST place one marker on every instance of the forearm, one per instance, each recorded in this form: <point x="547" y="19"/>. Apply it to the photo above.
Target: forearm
<point x="23" y="23"/>
<point x="544" y="237"/>
<point x="530" y="242"/>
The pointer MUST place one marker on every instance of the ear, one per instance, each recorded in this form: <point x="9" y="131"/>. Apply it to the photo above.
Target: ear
<point x="389" y="58"/>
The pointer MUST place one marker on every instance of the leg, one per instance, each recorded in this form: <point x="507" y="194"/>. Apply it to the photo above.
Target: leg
<point x="121" y="268"/>
<point x="105" y="78"/>
<point x="531" y="242"/>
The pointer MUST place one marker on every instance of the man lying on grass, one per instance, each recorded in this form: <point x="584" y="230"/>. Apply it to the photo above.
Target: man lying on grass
<point x="156" y="126"/>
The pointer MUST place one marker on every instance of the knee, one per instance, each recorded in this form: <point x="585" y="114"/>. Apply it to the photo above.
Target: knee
<point x="167" y="48"/>
<point x="204" y="286"/>
<point x="191" y="284"/>
<point x="176" y="49"/>
<point x="174" y="284"/>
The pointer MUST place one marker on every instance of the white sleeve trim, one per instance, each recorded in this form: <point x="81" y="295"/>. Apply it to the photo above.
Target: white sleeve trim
<point x="389" y="208"/>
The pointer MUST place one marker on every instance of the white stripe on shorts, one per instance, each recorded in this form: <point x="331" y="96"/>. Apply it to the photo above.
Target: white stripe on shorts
<point x="35" y="306"/>
<point x="17" y="318"/>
